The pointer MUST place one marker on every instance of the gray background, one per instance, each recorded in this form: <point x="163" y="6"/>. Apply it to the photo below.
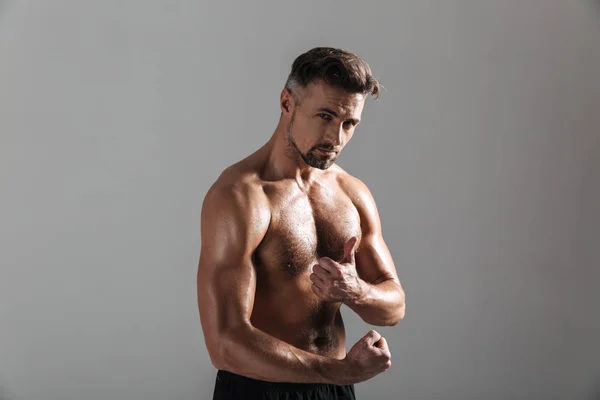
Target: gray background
<point x="483" y="154"/>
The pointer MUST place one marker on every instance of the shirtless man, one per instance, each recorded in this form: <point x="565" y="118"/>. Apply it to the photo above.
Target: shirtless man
<point x="287" y="238"/>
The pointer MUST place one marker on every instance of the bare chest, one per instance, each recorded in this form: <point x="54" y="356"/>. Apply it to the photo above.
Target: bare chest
<point x="305" y="227"/>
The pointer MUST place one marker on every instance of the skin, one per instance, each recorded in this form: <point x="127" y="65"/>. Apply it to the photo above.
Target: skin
<point x="287" y="238"/>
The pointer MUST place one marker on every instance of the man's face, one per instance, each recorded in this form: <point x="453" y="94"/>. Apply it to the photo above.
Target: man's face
<point x="323" y="123"/>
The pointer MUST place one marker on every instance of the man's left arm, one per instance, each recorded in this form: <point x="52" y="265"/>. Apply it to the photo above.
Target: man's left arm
<point x="366" y="279"/>
<point x="383" y="299"/>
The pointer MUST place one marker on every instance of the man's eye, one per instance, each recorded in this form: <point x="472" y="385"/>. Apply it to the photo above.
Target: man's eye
<point x="325" y="116"/>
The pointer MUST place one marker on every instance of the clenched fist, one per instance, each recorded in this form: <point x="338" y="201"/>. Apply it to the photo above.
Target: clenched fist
<point x="368" y="357"/>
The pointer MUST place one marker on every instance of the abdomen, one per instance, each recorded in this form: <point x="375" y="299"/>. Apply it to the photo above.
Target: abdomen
<point x="291" y="312"/>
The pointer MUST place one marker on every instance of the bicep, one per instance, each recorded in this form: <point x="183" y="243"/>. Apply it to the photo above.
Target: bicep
<point x="230" y="233"/>
<point x="374" y="261"/>
<point x="225" y="298"/>
<point x="225" y="293"/>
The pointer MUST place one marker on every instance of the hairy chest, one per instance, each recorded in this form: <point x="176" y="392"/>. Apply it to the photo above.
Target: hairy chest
<point x="305" y="227"/>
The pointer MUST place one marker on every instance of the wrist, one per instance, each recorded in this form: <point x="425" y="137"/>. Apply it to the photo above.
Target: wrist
<point x="360" y="295"/>
<point x="334" y="371"/>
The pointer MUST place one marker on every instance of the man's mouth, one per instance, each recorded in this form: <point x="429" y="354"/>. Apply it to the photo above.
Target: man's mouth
<point x="326" y="151"/>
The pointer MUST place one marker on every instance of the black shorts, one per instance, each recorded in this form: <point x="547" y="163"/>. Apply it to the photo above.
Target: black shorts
<point x="230" y="386"/>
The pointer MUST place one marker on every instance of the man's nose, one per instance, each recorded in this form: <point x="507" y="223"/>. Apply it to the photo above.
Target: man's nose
<point x="336" y="135"/>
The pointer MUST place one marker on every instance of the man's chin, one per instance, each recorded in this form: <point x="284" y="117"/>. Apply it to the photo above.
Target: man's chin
<point x="323" y="165"/>
<point x="319" y="162"/>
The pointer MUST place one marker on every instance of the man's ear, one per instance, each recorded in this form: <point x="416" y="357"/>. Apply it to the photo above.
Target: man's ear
<point x="286" y="101"/>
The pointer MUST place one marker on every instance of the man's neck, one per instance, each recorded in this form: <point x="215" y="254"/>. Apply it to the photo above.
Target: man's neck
<point x="284" y="162"/>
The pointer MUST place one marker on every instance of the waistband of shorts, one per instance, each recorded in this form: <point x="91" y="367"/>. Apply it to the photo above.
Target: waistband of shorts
<point x="266" y="386"/>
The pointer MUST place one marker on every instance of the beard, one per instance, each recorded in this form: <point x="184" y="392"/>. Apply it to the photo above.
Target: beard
<point x="312" y="156"/>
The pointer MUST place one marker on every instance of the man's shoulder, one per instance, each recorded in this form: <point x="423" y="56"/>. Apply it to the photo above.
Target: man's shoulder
<point x="234" y="209"/>
<point x="236" y="186"/>
<point x="352" y="185"/>
<point x="357" y="191"/>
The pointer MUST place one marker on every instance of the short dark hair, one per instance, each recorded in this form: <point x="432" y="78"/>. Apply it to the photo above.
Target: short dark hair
<point x="336" y="67"/>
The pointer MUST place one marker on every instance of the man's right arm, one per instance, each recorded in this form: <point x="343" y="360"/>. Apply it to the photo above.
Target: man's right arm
<point x="233" y="223"/>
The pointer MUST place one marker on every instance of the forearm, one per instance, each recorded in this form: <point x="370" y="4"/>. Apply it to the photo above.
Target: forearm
<point x="255" y="354"/>
<point x="380" y="304"/>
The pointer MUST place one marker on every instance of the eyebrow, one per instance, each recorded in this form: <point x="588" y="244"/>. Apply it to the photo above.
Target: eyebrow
<point x="330" y="111"/>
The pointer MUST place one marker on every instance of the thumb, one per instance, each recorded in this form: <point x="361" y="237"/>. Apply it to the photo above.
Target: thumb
<point x="349" y="250"/>
<point x="372" y="337"/>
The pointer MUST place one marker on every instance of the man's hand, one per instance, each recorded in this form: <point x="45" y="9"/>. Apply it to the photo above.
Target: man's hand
<point x="370" y="356"/>
<point x="338" y="281"/>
